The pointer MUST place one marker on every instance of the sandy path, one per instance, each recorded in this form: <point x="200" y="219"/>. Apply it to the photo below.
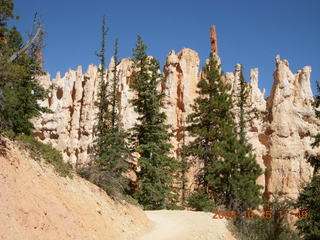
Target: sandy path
<point x="185" y="225"/>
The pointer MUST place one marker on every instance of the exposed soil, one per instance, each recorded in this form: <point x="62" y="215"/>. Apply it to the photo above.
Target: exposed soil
<point x="186" y="225"/>
<point x="37" y="204"/>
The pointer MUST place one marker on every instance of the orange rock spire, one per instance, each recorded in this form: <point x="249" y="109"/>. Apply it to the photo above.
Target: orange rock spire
<point x="213" y="39"/>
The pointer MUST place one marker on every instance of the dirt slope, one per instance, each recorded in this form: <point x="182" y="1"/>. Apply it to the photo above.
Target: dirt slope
<point x="35" y="204"/>
<point x="186" y="225"/>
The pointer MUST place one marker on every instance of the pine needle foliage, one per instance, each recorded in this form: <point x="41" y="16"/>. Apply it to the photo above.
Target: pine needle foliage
<point x="250" y="170"/>
<point x="112" y="156"/>
<point x="229" y="169"/>
<point x="150" y="134"/>
<point x="309" y="201"/>
<point x="309" y="198"/>
<point x="102" y="102"/>
<point x="314" y="159"/>
<point x="19" y="89"/>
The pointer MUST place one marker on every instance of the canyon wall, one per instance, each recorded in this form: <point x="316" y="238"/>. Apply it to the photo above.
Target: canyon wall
<point x="279" y="135"/>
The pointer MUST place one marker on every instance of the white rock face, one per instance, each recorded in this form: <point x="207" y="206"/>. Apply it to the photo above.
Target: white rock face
<point x="69" y="127"/>
<point x="127" y="112"/>
<point x="181" y="73"/>
<point x="278" y="135"/>
<point x="256" y="96"/>
<point x="290" y="118"/>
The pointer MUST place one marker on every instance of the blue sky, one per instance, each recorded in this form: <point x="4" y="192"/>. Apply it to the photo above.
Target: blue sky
<point x="250" y="32"/>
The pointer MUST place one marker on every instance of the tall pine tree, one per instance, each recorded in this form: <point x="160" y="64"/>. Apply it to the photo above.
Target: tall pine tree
<point x="19" y="88"/>
<point x="309" y="198"/>
<point x="112" y="154"/>
<point x="150" y="134"/>
<point x="249" y="169"/>
<point x="102" y="102"/>
<point x="228" y="165"/>
<point x="308" y="203"/>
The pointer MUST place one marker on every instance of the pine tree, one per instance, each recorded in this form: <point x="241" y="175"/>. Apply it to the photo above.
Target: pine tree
<point x="309" y="198"/>
<point x="102" y="102"/>
<point x="249" y="171"/>
<point x="229" y="169"/>
<point x="19" y="89"/>
<point x="309" y="203"/>
<point x="209" y="123"/>
<point x="184" y="167"/>
<point x="314" y="160"/>
<point x="6" y="13"/>
<point x="112" y="155"/>
<point x="150" y="134"/>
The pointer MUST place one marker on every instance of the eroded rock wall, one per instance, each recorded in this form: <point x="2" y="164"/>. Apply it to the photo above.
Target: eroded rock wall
<point x="279" y="135"/>
<point x="69" y="126"/>
<point x="290" y="118"/>
<point x="182" y="75"/>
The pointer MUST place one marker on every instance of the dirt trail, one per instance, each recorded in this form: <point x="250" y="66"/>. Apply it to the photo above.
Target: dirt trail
<point x="186" y="225"/>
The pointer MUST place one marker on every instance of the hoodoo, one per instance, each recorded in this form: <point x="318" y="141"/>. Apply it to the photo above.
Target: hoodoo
<point x="279" y="136"/>
<point x="213" y="39"/>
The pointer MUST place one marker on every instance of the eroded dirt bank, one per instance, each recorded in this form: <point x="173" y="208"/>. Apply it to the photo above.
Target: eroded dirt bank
<point x="36" y="203"/>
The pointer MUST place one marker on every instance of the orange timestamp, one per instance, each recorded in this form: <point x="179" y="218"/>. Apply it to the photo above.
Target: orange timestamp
<point x="258" y="214"/>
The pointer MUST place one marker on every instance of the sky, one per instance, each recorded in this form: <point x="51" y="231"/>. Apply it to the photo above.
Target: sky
<point x="249" y="32"/>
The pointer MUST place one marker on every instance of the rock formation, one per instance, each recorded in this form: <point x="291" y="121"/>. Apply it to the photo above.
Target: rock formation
<point x="279" y="135"/>
<point x="181" y="73"/>
<point x="213" y="39"/>
<point x="290" y="118"/>
<point x="69" y="127"/>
